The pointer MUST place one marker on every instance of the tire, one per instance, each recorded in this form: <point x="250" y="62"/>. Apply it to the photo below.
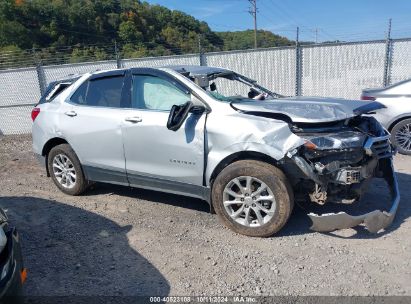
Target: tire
<point x="401" y="136"/>
<point x="55" y="162"/>
<point x="261" y="174"/>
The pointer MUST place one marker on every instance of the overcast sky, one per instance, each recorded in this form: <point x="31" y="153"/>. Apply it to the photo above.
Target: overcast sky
<point x="330" y="19"/>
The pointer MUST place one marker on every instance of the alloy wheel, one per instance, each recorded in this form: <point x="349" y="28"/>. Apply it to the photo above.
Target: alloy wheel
<point x="64" y="171"/>
<point x="249" y="201"/>
<point x="403" y="137"/>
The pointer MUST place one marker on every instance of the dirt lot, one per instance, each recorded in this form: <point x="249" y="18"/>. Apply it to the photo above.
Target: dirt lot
<point x="120" y="241"/>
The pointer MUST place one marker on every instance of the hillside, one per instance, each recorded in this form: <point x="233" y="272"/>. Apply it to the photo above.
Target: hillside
<point x="245" y="39"/>
<point x="78" y="30"/>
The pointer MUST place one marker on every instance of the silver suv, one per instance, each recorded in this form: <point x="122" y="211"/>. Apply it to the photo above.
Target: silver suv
<point x="216" y="135"/>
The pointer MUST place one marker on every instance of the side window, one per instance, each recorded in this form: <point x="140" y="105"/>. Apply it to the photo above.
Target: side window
<point x="79" y="96"/>
<point x="100" y="92"/>
<point x="154" y="93"/>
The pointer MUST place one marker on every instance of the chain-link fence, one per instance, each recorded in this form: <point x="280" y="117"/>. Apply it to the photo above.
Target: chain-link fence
<point x="334" y="70"/>
<point x="342" y="70"/>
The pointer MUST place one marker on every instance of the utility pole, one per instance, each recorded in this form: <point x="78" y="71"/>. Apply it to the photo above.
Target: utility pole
<point x="315" y="31"/>
<point x="253" y="12"/>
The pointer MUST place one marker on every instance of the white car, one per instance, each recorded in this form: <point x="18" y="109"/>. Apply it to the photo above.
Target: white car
<point x="396" y="116"/>
<point x="217" y="135"/>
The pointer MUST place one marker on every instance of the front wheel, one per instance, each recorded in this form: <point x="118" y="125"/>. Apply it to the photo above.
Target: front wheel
<point x="252" y="198"/>
<point x="65" y="170"/>
<point x="401" y="136"/>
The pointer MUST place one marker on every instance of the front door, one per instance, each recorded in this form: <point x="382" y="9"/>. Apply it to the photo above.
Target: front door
<point x="156" y="157"/>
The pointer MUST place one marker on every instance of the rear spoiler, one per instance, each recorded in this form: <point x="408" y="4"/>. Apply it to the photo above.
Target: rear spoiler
<point x="56" y="87"/>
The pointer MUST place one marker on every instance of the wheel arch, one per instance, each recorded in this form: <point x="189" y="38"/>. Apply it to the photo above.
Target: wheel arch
<point x="50" y="144"/>
<point x="397" y="120"/>
<point x="232" y="158"/>
<point x="237" y="156"/>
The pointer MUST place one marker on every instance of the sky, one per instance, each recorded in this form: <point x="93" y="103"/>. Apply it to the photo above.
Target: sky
<point x="319" y="20"/>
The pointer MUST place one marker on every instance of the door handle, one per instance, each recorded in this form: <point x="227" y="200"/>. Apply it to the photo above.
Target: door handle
<point x="135" y="119"/>
<point x="71" y="113"/>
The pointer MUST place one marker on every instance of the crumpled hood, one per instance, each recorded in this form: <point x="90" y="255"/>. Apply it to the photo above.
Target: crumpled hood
<point x="309" y="109"/>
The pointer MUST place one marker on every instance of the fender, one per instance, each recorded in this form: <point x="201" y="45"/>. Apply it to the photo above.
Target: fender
<point x="246" y="134"/>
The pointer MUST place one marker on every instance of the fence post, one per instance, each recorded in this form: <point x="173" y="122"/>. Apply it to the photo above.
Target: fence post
<point x="118" y="57"/>
<point x="202" y="55"/>
<point x="298" y="65"/>
<point x="41" y="76"/>
<point x="388" y="57"/>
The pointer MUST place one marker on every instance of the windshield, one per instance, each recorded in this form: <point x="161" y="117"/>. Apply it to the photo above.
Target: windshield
<point x="231" y="87"/>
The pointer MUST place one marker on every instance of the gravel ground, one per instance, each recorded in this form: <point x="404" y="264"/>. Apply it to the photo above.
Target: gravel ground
<point x="120" y="241"/>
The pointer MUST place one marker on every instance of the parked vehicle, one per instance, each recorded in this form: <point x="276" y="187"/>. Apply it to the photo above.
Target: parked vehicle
<point x="396" y="116"/>
<point x="12" y="272"/>
<point x="200" y="132"/>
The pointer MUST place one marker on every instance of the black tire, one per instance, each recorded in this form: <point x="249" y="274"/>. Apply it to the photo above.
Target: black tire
<point x="273" y="177"/>
<point x="81" y="183"/>
<point x="395" y="133"/>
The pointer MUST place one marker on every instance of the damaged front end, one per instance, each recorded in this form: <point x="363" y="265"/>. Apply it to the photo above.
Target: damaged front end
<point x="336" y="164"/>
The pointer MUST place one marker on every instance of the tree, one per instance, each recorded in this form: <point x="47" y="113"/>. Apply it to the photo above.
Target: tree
<point x="128" y="32"/>
<point x="245" y="39"/>
<point x="139" y="28"/>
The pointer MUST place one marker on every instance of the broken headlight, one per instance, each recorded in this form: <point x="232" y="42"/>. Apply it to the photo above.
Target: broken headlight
<point x="342" y="140"/>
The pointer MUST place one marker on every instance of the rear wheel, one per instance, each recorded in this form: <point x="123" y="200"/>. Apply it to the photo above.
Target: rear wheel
<point x="65" y="170"/>
<point x="252" y="198"/>
<point x="401" y="136"/>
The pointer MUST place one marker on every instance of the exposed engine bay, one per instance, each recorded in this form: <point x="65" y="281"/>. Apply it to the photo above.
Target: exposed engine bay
<point x="336" y="164"/>
<point x="330" y="152"/>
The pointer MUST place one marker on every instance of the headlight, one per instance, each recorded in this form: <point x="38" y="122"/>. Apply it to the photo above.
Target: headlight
<point x="343" y="140"/>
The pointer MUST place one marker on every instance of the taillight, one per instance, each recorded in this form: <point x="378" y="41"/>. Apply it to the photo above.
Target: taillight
<point x="34" y="113"/>
<point x="364" y="97"/>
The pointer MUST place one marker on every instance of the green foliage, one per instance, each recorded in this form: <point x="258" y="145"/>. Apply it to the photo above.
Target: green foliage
<point x="128" y="31"/>
<point x="81" y="55"/>
<point x="93" y="26"/>
<point x="12" y="55"/>
<point x="245" y="39"/>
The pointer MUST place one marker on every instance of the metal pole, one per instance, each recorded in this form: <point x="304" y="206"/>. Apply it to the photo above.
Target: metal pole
<point x="388" y="57"/>
<point x="202" y="56"/>
<point x="118" y="59"/>
<point x="253" y="12"/>
<point x="298" y="64"/>
<point x="41" y="76"/>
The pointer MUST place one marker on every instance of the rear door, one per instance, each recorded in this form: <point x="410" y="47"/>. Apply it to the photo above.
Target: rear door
<point x="91" y="122"/>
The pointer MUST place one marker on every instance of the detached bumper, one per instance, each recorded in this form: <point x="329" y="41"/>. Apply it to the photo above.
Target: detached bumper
<point x="374" y="221"/>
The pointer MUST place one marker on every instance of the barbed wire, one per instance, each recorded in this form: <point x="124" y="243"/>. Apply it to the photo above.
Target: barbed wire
<point x="127" y="49"/>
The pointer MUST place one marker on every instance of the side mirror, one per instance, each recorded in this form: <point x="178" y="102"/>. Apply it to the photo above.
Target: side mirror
<point x="177" y="115"/>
